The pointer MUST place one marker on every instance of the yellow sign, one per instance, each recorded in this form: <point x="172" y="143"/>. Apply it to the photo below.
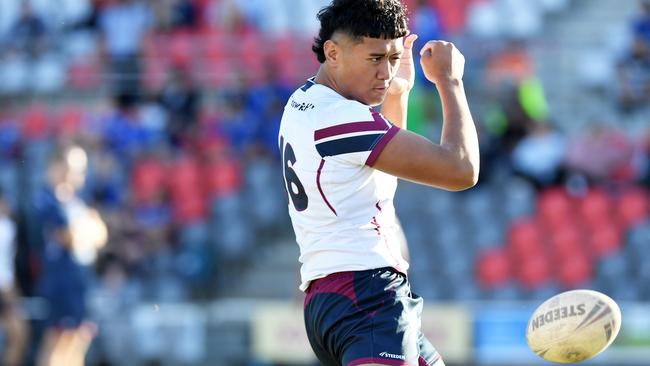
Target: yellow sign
<point x="449" y="328"/>
<point x="279" y="334"/>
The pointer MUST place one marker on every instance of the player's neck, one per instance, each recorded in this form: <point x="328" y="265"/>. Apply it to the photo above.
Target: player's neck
<point x="325" y="78"/>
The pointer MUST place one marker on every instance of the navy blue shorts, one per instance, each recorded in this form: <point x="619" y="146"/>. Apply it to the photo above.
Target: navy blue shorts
<point x="371" y="316"/>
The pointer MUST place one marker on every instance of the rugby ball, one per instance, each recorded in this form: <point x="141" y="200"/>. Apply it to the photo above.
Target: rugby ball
<point x="573" y="326"/>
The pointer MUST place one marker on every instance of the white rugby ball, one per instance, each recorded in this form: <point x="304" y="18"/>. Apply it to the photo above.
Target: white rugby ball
<point x="573" y="326"/>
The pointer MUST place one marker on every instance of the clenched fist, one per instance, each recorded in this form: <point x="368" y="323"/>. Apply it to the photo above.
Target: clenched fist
<point x="441" y="61"/>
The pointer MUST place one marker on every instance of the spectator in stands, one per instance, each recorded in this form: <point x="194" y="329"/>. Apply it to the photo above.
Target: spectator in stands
<point x="175" y="14"/>
<point x="634" y="76"/>
<point x="230" y="16"/>
<point x="123" y="132"/>
<point x="539" y="156"/>
<point x="12" y="318"/>
<point x="238" y="124"/>
<point x="641" y="25"/>
<point x="123" y="25"/>
<point x="644" y="162"/>
<point x="29" y="34"/>
<point x="184" y="14"/>
<point x="63" y="281"/>
<point x="518" y="98"/>
<point x="180" y="98"/>
<point x="601" y="154"/>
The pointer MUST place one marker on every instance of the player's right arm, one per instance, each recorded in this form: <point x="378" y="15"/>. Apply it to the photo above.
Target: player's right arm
<point x="454" y="163"/>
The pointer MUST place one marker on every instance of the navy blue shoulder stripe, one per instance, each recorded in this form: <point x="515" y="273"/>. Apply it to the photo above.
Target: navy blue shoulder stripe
<point x="307" y="85"/>
<point x="348" y="145"/>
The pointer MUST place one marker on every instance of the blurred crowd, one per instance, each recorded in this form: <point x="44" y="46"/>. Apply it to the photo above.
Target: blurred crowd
<point x="138" y="142"/>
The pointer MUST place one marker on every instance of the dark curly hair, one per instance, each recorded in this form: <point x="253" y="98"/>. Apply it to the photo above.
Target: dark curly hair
<point x="386" y="19"/>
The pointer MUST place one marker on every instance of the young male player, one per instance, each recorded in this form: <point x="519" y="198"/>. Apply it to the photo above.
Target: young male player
<point x="341" y="160"/>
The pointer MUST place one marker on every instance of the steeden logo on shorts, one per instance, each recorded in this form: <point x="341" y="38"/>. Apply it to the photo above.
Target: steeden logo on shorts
<point x="393" y="356"/>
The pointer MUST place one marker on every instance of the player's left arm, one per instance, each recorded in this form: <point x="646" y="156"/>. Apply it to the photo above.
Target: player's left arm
<point x="395" y="106"/>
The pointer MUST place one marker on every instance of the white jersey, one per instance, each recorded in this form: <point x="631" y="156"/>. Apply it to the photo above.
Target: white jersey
<point x="7" y="253"/>
<point x="341" y="208"/>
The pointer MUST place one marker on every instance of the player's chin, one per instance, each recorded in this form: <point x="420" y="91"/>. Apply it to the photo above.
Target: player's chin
<point x="376" y="97"/>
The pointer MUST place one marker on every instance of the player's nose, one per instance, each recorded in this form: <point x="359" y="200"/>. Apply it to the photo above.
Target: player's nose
<point x="384" y="71"/>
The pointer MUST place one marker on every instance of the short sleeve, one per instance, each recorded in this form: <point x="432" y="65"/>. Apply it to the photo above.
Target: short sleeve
<point x="354" y="133"/>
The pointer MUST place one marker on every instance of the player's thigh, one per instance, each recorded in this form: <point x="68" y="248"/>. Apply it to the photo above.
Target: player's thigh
<point x="428" y="354"/>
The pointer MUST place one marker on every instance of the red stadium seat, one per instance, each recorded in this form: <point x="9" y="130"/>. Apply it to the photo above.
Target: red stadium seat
<point x="189" y="209"/>
<point x="493" y="268"/>
<point x="155" y="73"/>
<point x="452" y="14"/>
<point x="605" y="240"/>
<point x="574" y="270"/>
<point x="595" y="207"/>
<point x="180" y="47"/>
<point x="554" y="206"/>
<point x="148" y="180"/>
<point x="223" y="177"/>
<point x="83" y="75"/>
<point x="184" y="178"/>
<point x="633" y="206"/>
<point x="250" y="52"/>
<point x="565" y="241"/>
<point x="69" y="120"/>
<point x="213" y="43"/>
<point x="285" y="58"/>
<point x="524" y="238"/>
<point x="215" y="60"/>
<point x="533" y="271"/>
<point x="36" y="123"/>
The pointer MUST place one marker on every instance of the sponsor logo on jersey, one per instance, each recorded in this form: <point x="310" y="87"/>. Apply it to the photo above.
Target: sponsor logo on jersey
<point x="393" y="356"/>
<point x="301" y="106"/>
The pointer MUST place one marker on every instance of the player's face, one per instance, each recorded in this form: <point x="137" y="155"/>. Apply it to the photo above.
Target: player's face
<point x="366" y="68"/>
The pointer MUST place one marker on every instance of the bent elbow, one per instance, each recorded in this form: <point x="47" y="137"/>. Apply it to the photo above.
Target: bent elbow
<point x="466" y="178"/>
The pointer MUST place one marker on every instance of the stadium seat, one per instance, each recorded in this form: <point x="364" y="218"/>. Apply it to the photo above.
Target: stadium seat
<point x="214" y="61"/>
<point x="36" y="122"/>
<point x="554" y="206"/>
<point x="565" y="241"/>
<point x="519" y="19"/>
<point x="613" y="267"/>
<point x="185" y="179"/>
<point x="190" y="208"/>
<point x="48" y="75"/>
<point x="574" y="270"/>
<point x="552" y="6"/>
<point x="69" y="120"/>
<point x="633" y="206"/>
<point x="250" y="51"/>
<point x="148" y="180"/>
<point x="533" y="271"/>
<point x="493" y="268"/>
<point x="83" y="74"/>
<point x="595" y="207"/>
<point x="483" y="20"/>
<point x="222" y="177"/>
<point x="155" y="73"/>
<point x="452" y="14"/>
<point x="180" y="47"/>
<point x="605" y="240"/>
<point x="543" y="292"/>
<point x="524" y="239"/>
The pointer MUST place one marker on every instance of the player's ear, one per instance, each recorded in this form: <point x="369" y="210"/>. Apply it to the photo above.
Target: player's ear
<point x="332" y="51"/>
